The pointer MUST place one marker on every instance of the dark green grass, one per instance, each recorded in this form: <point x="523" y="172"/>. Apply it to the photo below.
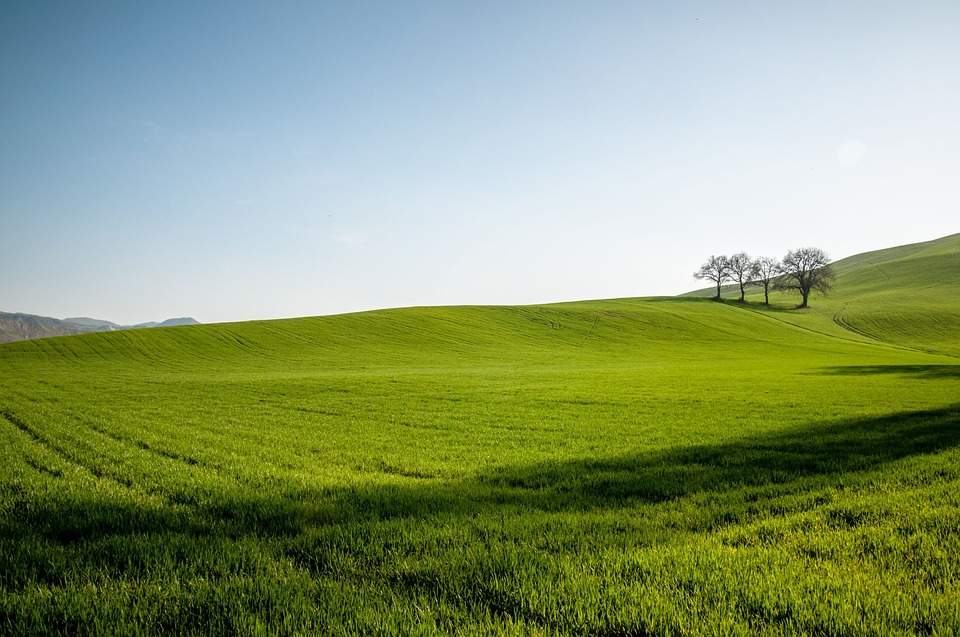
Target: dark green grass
<point x="633" y="467"/>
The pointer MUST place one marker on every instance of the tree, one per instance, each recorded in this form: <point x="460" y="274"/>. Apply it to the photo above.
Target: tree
<point x="764" y="271"/>
<point x="716" y="269"/>
<point x="740" y="266"/>
<point x="806" y="270"/>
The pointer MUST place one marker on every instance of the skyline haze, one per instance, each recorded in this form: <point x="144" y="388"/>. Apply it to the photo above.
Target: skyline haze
<point x="237" y="161"/>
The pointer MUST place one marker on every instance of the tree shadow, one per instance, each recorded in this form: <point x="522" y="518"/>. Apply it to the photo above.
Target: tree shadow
<point x="826" y="451"/>
<point x="922" y="371"/>
<point x="786" y="458"/>
<point x="348" y="533"/>
<point x="775" y="307"/>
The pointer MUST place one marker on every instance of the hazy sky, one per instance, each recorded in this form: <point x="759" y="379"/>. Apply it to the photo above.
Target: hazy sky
<point x="240" y="160"/>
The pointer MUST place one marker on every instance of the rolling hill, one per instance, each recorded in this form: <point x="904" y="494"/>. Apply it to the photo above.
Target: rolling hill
<point x="650" y="466"/>
<point x="900" y="295"/>
<point x="903" y="295"/>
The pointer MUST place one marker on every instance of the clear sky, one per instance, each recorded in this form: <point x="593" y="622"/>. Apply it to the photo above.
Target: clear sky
<point x="244" y="160"/>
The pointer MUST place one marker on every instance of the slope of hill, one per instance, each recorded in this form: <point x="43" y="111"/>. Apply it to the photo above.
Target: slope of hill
<point x="903" y="296"/>
<point x="635" y="466"/>
<point x="937" y="247"/>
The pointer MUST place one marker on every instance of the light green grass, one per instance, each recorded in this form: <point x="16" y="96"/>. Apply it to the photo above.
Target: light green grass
<point x="904" y="296"/>
<point x="629" y="467"/>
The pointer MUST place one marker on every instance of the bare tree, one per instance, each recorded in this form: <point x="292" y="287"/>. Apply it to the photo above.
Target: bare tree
<point x="806" y="270"/>
<point x="763" y="272"/>
<point x="740" y="267"/>
<point x="716" y="269"/>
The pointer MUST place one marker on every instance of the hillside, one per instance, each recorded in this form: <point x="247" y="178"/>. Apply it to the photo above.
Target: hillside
<point x="949" y="245"/>
<point x="866" y="261"/>
<point x="653" y="466"/>
<point x="903" y="296"/>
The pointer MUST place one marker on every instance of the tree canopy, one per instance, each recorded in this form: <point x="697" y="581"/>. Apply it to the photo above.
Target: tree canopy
<point x="764" y="273"/>
<point x="716" y="269"/>
<point x="740" y="266"/>
<point x="806" y="270"/>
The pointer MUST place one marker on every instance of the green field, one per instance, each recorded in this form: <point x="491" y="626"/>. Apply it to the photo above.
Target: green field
<point x="657" y="466"/>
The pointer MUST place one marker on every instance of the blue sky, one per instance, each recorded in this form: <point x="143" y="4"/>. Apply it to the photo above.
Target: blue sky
<point x="246" y="160"/>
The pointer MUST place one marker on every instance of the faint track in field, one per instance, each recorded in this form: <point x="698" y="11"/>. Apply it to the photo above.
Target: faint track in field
<point x="39" y="440"/>
<point x="145" y="446"/>
<point x="70" y="459"/>
<point x="8" y="415"/>
<point x="592" y="327"/>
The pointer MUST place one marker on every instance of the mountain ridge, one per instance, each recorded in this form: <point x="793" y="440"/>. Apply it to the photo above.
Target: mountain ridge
<point x="20" y="326"/>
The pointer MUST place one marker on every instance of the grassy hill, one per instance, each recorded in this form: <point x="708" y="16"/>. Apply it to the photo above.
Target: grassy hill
<point x="635" y="466"/>
<point x="904" y="295"/>
<point x="900" y="295"/>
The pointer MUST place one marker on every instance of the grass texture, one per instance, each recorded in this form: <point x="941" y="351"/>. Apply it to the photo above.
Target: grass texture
<point x="626" y="467"/>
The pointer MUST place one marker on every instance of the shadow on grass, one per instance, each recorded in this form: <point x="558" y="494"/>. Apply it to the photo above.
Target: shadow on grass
<point x="357" y="534"/>
<point x="773" y="307"/>
<point x="827" y="452"/>
<point x="923" y="371"/>
<point x="817" y="451"/>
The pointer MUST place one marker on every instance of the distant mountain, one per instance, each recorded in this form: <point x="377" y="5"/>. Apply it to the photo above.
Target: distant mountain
<point x="19" y="327"/>
<point x="84" y="321"/>
<point x="177" y="322"/>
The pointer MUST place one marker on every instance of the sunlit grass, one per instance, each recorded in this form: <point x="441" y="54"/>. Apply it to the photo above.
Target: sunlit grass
<point x="646" y="467"/>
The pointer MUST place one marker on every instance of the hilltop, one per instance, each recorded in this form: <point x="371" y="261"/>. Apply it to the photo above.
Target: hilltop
<point x="904" y="296"/>
<point x="866" y="261"/>
<point x="897" y="297"/>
